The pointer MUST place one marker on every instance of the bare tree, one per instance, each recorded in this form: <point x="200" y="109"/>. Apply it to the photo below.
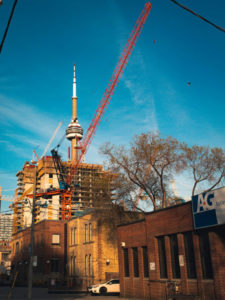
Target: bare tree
<point x="207" y="166"/>
<point x="149" y="165"/>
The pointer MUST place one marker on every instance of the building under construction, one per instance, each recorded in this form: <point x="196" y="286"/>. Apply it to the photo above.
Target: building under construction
<point x="91" y="183"/>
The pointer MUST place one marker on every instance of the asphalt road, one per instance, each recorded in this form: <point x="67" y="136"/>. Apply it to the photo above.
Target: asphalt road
<point x="20" y="293"/>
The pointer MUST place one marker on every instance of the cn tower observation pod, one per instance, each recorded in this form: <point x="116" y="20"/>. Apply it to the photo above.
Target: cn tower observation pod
<point x="74" y="131"/>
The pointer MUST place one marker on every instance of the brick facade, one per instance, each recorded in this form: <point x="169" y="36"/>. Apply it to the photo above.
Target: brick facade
<point x="92" y="258"/>
<point x="176" y="252"/>
<point x="49" y="247"/>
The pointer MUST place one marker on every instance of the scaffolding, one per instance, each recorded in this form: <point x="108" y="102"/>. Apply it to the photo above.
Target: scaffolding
<point x="92" y="184"/>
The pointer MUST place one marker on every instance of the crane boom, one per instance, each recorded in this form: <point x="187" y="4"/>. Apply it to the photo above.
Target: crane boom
<point x="51" y="139"/>
<point x="111" y="87"/>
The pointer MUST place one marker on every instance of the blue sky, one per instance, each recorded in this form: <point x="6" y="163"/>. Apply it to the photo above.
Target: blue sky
<point x="47" y="37"/>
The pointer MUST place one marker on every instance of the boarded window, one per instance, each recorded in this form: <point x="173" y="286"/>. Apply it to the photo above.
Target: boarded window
<point x="189" y="253"/>
<point x="126" y="262"/>
<point x="55" y="239"/>
<point x="162" y="257"/>
<point x="145" y="261"/>
<point x="174" y="256"/>
<point x="205" y="255"/>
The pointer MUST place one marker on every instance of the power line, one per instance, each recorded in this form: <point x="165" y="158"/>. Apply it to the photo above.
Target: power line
<point x="197" y="15"/>
<point x="7" y="27"/>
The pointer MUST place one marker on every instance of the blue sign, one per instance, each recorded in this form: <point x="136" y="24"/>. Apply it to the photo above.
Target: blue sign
<point x="209" y="208"/>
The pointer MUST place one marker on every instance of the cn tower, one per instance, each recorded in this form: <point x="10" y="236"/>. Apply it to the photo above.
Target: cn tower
<point x="74" y="132"/>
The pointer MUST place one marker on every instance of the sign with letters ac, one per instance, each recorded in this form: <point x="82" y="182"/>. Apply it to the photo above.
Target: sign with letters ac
<point x="209" y="208"/>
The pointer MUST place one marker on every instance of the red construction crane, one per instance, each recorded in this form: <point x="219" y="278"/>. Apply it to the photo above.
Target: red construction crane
<point x="66" y="195"/>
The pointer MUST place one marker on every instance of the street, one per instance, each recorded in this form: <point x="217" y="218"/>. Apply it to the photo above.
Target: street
<point x="20" y="293"/>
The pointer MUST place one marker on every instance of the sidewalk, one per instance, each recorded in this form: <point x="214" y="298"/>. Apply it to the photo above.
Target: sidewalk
<point x="20" y="293"/>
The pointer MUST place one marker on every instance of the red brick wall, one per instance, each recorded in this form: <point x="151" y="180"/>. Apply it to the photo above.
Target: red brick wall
<point x="43" y="249"/>
<point x="174" y="220"/>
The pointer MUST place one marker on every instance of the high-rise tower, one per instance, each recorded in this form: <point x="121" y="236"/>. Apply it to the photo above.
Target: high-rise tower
<point x="74" y="132"/>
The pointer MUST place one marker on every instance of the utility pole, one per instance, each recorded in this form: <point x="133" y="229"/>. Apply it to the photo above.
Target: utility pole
<point x="31" y="246"/>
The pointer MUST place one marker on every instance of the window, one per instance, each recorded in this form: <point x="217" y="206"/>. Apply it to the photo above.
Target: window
<point x="90" y="232"/>
<point x="162" y="257"/>
<point x="205" y="255"/>
<point x="71" y="236"/>
<point x="114" y="281"/>
<point x="135" y="262"/>
<point x="50" y="175"/>
<point x="145" y="261"/>
<point x="55" y="265"/>
<point x="71" y="265"/>
<point x="189" y="253"/>
<point x="55" y="239"/>
<point x="5" y="256"/>
<point x="86" y="265"/>
<point x="17" y="247"/>
<point x="126" y="262"/>
<point x="74" y="265"/>
<point x="90" y="265"/>
<point x="86" y="233"/>
<point x="174" y="256"/>
<point x="75" y="236"/>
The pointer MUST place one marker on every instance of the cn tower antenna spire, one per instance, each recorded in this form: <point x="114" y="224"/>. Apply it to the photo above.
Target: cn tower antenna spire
<point x="74" y="83"/>
<point x="74" y="131"/>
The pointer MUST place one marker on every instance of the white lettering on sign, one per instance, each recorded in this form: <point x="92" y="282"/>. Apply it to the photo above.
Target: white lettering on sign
<point x="205" y="202"/>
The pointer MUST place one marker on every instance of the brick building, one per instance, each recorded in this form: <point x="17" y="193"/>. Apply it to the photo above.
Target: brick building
<point x="162" y="255"/>
<point x="49" y="249"/>
<point x="92" y="258"/>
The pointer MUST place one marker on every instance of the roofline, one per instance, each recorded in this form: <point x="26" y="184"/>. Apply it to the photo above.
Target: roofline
<point x="168" y="207"/>
<point x="134" y="222"/>
<point x="155" y="212"/>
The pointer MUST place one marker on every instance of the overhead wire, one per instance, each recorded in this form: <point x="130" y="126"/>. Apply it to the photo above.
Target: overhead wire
<point x="7" y="27"/>
<point x="197" y="15"/>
